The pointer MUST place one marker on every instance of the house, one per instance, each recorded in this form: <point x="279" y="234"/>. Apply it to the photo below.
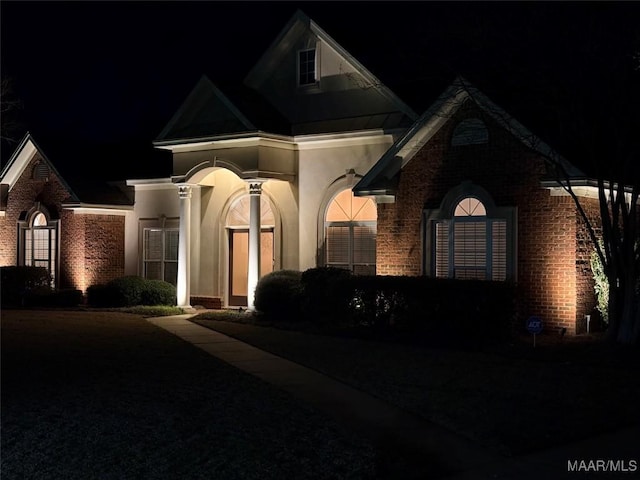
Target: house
<point x="311" y="161"/>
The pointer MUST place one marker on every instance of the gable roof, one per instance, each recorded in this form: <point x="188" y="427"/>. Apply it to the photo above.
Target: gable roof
<point x="250" y="107"/>
<point x="208" y="112"/>
<point x="299" y="25"/>
<point x="381" y="179"/>
<point x="83" y="192"/>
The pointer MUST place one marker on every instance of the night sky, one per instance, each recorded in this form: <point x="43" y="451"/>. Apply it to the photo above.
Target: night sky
<point x="113" y="73"/>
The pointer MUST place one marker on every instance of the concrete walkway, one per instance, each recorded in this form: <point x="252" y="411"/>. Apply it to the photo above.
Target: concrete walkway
<point x="424" y="450"/>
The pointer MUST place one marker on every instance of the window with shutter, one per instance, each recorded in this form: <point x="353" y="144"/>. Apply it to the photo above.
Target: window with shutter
<point x="470" y="244"/>
<point x="350" y="233"/>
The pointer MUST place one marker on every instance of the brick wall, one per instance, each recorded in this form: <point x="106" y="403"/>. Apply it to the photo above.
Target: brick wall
<point x="547" y="226"/>
<point x="22" y="197"/>
<point x="91" y="247"/>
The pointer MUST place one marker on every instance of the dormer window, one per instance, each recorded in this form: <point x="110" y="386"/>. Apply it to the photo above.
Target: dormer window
<point x="307" y="71"/>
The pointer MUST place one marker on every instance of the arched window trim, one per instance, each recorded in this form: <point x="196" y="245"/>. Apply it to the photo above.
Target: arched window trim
<point x="445" y="216"/>
<point x="358" y="230"/>
<point x="39" y="244"/>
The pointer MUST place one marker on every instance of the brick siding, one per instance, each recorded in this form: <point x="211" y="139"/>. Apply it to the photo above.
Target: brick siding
<point x="547" y="229"/>
<point x="91" y="247"/>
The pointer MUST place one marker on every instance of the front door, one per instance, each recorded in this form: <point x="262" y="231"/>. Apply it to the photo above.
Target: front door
<point x="239" y="262"/>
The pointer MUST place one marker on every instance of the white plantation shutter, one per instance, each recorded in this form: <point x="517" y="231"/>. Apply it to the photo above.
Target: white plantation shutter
<point x="350" y="233"/>
<point x="160" y="252"/>
<point x="442" y="249"/>
<point x="498" y="250"/>
<point x="470" y="250"/>
<point x="338" y="245"/>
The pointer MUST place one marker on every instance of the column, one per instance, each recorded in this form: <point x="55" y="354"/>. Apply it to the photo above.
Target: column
<point x="255" y="190"/>
<point x="184" y="247"/>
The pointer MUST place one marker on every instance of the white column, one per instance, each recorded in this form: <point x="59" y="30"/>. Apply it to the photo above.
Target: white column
<point x="184" y="247"/>
<point x="255" y="190"/>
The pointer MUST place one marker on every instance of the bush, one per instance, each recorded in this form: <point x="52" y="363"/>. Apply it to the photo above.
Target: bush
<point x="100" y="295"/>
<point x="17" y="281"/>
<point x="46" y="297"/>
<point x="435" y="311"/>
<point x="326" y="295"/>
<point x="278" y="295"/>
<point x="158" y="292"/>
<point x="130" y="291"/>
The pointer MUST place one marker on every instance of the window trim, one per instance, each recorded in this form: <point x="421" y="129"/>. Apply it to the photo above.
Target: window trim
<point x="162" y="223"/>
<point x="52" y="225"/>
<point x="337" y="188"/>
<point x="430" y="217"/>
<point x="316" y="68"/>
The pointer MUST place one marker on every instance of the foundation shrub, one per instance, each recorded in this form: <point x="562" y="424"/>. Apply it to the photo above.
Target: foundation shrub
<point x="433" y="311"/>
<point x="278" y="295"/>
<point x="16" y="283"/>
<point x="326" y="295"/>
<point x="158" y="292"/>
<point x="47" y="297"/>
<point x="99" y="295"/>
<point x="131" y="290"/>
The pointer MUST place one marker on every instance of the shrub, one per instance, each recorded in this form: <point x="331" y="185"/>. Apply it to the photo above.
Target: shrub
<point x="126" y="291"/>
<point x="17" y="281"/>
<point x="278" y="295"/>
<point x="326" y="295"/>
<point x="158" y="292"/>
<point x="601" y="285"/>
<point x="46" y="297"/>
<point x="100" y="295"/>
<point x="130" y="291"/>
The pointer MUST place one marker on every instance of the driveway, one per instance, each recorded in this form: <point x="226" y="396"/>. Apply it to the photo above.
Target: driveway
<point x="105" y="395"/>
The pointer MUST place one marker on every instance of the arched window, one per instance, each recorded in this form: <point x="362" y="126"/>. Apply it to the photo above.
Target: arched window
<point x="350" y="233"/>
<point x="39" y="242"/>
<point x="470" y="131"/>
<point x="470" y="238"/>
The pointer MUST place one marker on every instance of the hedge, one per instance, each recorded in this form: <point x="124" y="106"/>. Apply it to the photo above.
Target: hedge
<point x="131" y="290"/>
<point x="17" y="281"/>
<point x="278" y="295"/>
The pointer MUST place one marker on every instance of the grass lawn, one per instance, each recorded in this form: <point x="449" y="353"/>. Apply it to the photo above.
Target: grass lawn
<point x="106" y="395"/>
<point x="511" y="398"/>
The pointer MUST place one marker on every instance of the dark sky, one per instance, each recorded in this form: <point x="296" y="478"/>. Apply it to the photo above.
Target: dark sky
<point x="115" y="72"/>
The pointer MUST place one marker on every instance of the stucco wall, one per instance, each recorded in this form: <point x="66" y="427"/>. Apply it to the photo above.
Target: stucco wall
<point x="320" y="167"/>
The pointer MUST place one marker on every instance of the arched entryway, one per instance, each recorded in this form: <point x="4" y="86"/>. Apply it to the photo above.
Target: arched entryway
<point x="237" y="226"/>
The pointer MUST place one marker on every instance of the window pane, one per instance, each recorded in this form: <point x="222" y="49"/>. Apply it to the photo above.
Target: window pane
<point x="338" y="245"/>
<point x="364" y="245"/>
<point x="238" y="215"/>
<point x="152" y="244"/>
<point x="470" y="207"/>
<point x="470" y="249"/>
<point x="307" y="66"/>
<point x="171" y="245"/>
<point x="171" y="272"/>
<point x="153" y="270"/>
